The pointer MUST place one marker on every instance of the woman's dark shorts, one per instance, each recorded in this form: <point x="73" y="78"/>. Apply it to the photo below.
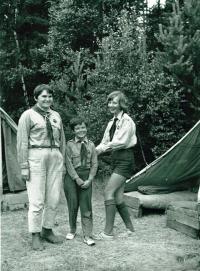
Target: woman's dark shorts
<point x="123" y="162"/>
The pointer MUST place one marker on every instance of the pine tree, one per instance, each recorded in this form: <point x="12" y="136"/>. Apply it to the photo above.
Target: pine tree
<point x="181" y="51"/>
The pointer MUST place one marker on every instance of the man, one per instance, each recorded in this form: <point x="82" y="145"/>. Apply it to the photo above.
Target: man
<point x="41" y="148"/>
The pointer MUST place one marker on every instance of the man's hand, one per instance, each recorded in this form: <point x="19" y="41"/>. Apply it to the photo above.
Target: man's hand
<point x="25" y="172"/>
<point x="86" y="184"/>
<point x="79" y="181"/>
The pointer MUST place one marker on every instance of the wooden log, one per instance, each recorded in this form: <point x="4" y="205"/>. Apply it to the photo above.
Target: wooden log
<point x="182" y="217"/>
<point x="186" y="205"/>
<point x="135" y="212"/>
<point x="194" y="233"/>
<point x="132" y="202"/>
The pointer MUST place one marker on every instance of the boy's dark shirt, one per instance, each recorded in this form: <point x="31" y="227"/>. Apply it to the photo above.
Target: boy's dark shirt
<point x="73" y="157"/>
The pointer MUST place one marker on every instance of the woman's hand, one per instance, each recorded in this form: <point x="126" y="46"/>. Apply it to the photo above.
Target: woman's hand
<point x="98" y="151"/>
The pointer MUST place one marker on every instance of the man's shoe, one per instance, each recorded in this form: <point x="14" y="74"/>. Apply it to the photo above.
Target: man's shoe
<point x="89" y="241"/>
<point x="49" y="236"/>
<point x="36" y="242"/>
<point x="103" y="236"/>
<point x="70" y="236"/>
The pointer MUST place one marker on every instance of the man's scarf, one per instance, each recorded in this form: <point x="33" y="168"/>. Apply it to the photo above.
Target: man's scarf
<point x="48" y="123"/>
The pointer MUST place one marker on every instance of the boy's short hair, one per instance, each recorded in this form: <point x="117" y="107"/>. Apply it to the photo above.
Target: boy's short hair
<point x="40" y="88"/>
<point x="123" y="101"/>
<point x="76" y="121"/>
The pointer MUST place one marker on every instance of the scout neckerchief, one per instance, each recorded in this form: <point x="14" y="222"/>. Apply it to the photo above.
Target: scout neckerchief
<point x="48" y="123"/>
<point x="113" y="127"/>
<point x="83" y="152"/>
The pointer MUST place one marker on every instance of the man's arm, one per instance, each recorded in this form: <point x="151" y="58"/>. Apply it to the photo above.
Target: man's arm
<point x="23" y="132"/>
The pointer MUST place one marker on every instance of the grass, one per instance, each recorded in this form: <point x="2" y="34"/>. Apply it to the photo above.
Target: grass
<point x="153" y="246"/>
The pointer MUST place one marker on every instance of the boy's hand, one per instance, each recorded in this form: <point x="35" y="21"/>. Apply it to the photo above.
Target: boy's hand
<point x="86" y="184"/>
<point x="79" y="181"/>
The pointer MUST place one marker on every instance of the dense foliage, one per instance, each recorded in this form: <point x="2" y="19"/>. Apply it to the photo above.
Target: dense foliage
<point x="86" y="49"/>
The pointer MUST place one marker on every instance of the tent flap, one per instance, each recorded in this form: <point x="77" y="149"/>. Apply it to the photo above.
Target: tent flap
<point x="180" y="164"/>
<point x="9" y="141"/>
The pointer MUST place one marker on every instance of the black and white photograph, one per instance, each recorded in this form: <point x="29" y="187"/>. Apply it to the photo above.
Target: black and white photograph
<point x="100" y="135"/>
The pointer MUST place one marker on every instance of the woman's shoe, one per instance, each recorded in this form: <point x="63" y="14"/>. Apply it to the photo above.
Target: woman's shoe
<point x="70" y="236"/>
<point x="103" y="236"/>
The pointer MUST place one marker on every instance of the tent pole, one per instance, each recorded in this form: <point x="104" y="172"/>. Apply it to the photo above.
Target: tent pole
<point x="1" y="172"/>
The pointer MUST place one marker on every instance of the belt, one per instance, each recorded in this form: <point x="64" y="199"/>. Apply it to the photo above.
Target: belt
<point x="43" y="147"/>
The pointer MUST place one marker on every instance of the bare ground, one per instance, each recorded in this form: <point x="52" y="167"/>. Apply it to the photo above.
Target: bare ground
<point x="153" y="246"/>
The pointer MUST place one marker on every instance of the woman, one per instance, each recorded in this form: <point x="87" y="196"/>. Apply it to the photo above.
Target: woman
<point x="119" y="138"/>
<point x="41" y="146"/>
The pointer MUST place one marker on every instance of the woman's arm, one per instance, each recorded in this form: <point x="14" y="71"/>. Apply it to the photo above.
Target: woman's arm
<point x="94" y="164"/>
<point x="102" y="147"/>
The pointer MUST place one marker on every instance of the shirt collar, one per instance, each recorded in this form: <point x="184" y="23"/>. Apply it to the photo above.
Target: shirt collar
<point x="85" y="140"/>
<point x="119" y="116"/>
<point x="40" y="108"/>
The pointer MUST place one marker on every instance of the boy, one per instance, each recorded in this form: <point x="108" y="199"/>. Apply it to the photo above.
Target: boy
<point x="81" y="169"/>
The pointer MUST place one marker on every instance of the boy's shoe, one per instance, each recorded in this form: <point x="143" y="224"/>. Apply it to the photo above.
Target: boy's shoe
<point x="70" y="236"/>
<point x="126" y="234"/>
<point x="103" y="236"/>
<point x="89" y="241"/>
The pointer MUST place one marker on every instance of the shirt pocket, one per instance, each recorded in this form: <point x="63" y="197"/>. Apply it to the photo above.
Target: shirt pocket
<point x="76" y="159"/>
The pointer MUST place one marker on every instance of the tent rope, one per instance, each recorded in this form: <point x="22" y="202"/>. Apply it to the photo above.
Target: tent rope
<point x="142" y="150"/>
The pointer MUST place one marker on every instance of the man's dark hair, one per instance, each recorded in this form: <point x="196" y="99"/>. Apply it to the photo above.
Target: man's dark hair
<point x="40" y="88"/>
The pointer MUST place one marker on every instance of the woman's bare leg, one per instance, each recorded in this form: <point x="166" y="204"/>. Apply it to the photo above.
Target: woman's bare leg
<point x="114" y="183"/>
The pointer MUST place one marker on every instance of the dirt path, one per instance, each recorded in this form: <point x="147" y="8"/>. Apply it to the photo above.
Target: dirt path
<point x="153" y="247"/>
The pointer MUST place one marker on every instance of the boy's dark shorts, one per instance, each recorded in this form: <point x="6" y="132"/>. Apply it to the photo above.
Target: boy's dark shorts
<point x="123" y="162"/>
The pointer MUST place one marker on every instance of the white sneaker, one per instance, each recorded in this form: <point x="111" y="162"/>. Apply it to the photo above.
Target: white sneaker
<point x="89" y="241"/>
<point x="103" y="236"/>
<point x="70" y="236"/>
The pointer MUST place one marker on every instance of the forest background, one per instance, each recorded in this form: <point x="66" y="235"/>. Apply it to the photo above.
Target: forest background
<point x="87" y="49"/>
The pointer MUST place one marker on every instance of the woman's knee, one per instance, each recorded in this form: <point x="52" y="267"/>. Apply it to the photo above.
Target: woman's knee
<point x="108" y="194"/>
<point x="119" y="195"/>
<point x="119" y="199"/>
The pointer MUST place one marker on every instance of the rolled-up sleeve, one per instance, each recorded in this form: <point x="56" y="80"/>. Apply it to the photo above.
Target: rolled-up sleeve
<point x="23" y="132"/>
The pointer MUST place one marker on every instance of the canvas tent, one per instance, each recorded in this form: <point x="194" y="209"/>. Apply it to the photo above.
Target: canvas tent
<point x="180" y="164"/>
<point x="11" y="178"/>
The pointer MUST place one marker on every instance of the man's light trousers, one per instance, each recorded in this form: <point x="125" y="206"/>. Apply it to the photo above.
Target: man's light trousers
<point x="43" y="187"/>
